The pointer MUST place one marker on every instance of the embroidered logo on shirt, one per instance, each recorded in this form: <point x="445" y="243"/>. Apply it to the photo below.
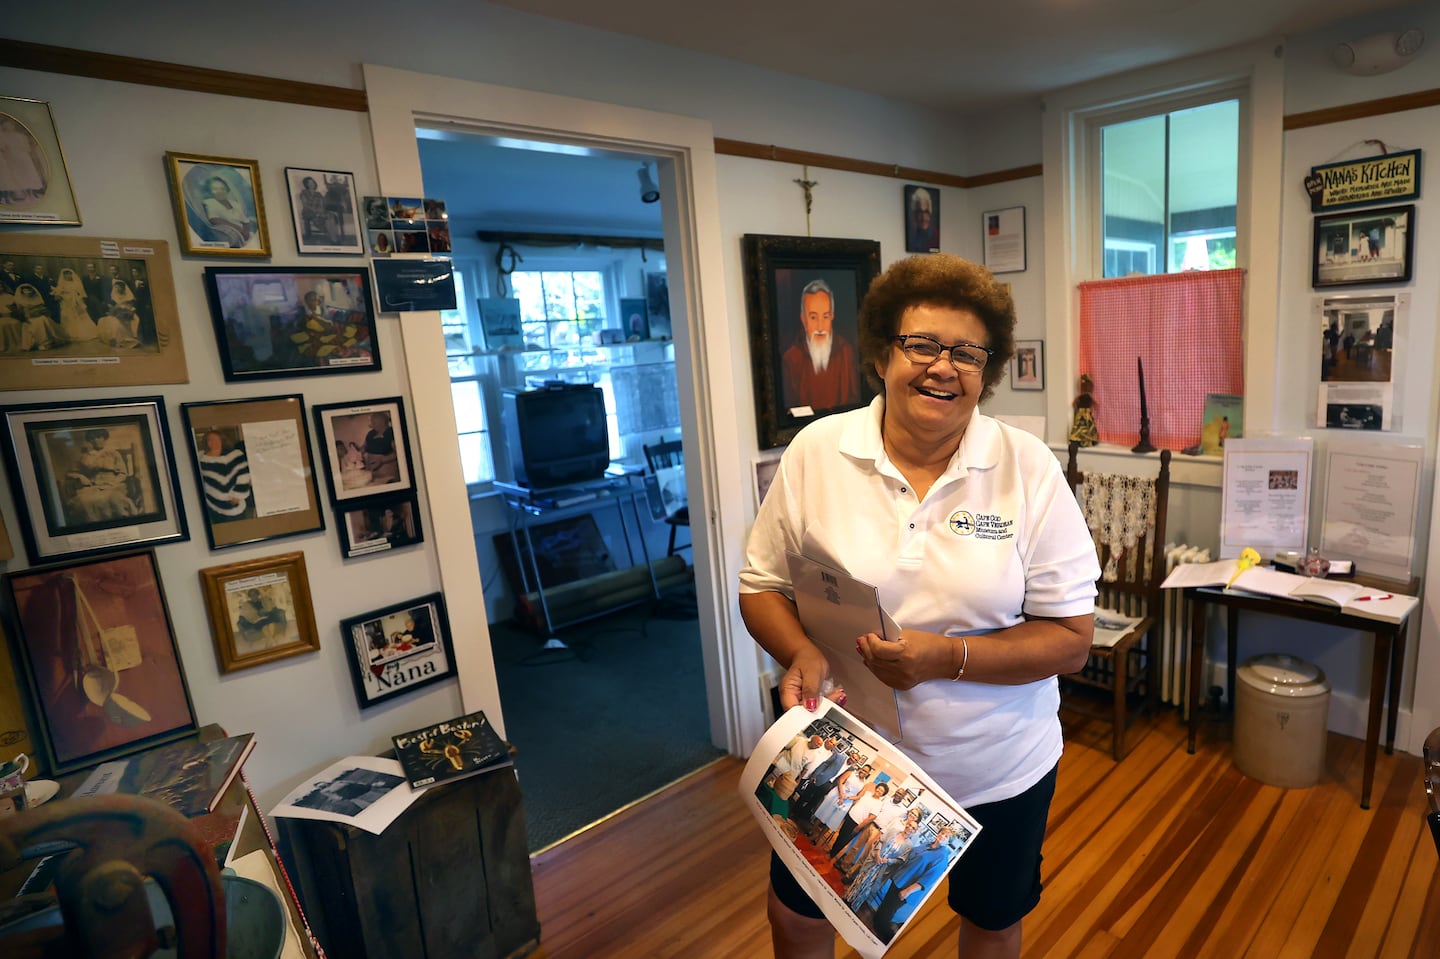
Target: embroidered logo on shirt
<point x="962" y="523"/>
<point x="981" y="525"/>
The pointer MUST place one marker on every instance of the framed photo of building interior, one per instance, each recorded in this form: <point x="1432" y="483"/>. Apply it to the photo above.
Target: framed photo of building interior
<point x="93" y="476"/>
<point x="1363" y="247"/>
<point x="365" y="448"/>
<point x="34" y="180"/>
<point x="219" y="205"/>
<point x="399" y="648"/>
<point x="260" y="611"/>
<point x="254" y="468"/>
<point x="98" y="653"/>
<point x="94" y="312"/>
<point x="323" y="206"/>
<point x="802" y="299"/>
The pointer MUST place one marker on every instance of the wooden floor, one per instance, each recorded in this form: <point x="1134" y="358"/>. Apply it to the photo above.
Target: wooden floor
<point x="1165" y="854"/>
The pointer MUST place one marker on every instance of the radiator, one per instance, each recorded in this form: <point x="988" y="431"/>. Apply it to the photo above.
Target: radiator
<point x="1175" y="635"/>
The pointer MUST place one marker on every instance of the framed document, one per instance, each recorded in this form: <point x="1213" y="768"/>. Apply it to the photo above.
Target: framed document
<point x="1266" y="495"/>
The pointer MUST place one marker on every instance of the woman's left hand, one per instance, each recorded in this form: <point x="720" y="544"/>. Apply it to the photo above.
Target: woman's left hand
<point x="912" y="659"/>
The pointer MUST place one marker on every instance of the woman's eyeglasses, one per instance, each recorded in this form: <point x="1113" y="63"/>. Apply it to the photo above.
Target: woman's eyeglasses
<point x="968" y="357"/>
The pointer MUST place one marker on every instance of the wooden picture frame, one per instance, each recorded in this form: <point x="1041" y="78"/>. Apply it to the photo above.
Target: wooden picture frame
<point x="98" y="652"/>
<point x="325" y="222"/>
<point x="260" y="611"/>
<point x="398" y="649"/>
<point x="254" y="469"/>
<point x="1027" y="365"/>
<point x="113" y="322"/>
<point x="365" y="448"/>
<point x="7" y="551"/>
<point x="379" y="524"/>
<point x="286" y="321"/>
<point x="38" y="191"/>
<point x="778" y="271"/>
<point x="1363" y="247"/>
<point x="93" y="476"/>
<point x="219" y="205"/>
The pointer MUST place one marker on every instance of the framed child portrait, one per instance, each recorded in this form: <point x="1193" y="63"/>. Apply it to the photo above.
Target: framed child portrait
<point x="34" y="180"/>
<point x="399" y="648"/>
<point x="260" y="611"/>
<point x="219" y="206"/>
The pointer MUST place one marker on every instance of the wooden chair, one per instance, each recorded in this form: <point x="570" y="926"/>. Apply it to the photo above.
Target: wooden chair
<point x="670" y="455"/>
<point x="1129" y="584"/>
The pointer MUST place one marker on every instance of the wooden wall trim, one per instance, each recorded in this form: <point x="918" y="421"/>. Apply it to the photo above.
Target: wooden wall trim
<point x="158" y="73"/>
<point x="1366" y="108"/>
<point x="826" y="161"/>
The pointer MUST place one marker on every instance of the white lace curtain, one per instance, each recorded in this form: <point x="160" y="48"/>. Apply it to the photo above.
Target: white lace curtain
<point x="1118" y="510"/>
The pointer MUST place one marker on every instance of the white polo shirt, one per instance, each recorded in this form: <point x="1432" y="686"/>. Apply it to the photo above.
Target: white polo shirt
<point x="997" y="536"/>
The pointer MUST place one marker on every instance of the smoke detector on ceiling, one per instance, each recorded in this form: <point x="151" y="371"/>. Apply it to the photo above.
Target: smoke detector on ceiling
<point x="1379" y="53"/>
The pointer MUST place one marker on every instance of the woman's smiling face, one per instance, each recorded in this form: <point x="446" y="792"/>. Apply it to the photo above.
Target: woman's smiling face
<point x="933" y="403"/>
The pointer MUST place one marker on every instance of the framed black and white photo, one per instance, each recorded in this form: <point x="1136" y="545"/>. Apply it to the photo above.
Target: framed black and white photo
<point x="34" y="179"/>
<point x="219" y="206"/>
<point x="323" y="207"/>
<point x="92" y="477"/>
<point x="1362" y="247"/>
<point x="379" y="525"/>
<point x="398" y="649"/>
<point x="1027" y="366"/>
<point x="365" y="448"/>
<point x="254" y="468"/>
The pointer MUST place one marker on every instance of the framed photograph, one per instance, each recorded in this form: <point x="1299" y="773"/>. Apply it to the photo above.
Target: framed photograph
<point x="922" y="219"/>
<point x="763" y="472"/>
<point x="219" y="206"/>
<point x="6" y="550"/>
<point x="1027" y="366"/>
<point x="254" y="468"/>
<point x="1362" y="247"/>
<point x="324" y="205"/>
<point x="284" y="321"/>
<point x="802" y="298"/>
<point x="378" y="525"/>
<point x="500" y="318"/>
<point x="635" y="323"/>
<point x="79" y="312"/>
<point x="93" y="476"/>
<point x="657" y="305"/>
<point x="1003" y="236"/>
<point x="260" y="611"/>
<point x="365" y="449"/>
<point x="34" y="180"/>
<point x="98" y="652"/>
<point x="400" y="648"/>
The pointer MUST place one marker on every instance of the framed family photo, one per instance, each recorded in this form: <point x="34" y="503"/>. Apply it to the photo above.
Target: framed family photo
<point x="324" y="207"/>
<point x="365" y="448"/>
<point x="93" y="476"/>
<point x="1027" y="366"/>
<point x="260" y="611"/>
<point x="97" y="648"/>
<point x="398" y="649"/>
<point x="78" y="312"/>
<point x="285" y="321"/>
<point x="219" y="206"/>
<point x="1361" y="247"/>
<point x="375" y="526"/>
<point x="254" y="468"/>
<point x="34" y="179"/>
<point x="802" y="299"/>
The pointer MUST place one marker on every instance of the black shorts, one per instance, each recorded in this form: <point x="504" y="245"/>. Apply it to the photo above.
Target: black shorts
<point x="996" y="883"/>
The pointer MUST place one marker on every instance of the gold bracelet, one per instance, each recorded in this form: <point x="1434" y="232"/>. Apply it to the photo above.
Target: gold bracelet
<point x="964" y="659"/>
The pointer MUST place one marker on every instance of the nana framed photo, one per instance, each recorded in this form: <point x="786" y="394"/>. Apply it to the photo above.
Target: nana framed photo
<point x="254" y="468"/>
<point x="398" y="649"/>
<point x="365" y="448"/>
<point x="260" y="611"/>
<point x="34" y="179"/>
<point x="219" y="205"/>
<point x="1364" y="247"/>
<point x="323" y="208"/>
<point x="97" y="649"/>
<point x="93" y="476"/>
<point x="1027" y="366"/>
<point x="284" y="321"/>
<point x="802" y="298"/>
<point x="379" y="525"/>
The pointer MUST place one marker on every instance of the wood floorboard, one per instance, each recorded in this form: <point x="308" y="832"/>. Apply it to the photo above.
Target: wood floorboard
<point x="1162" y="855"/>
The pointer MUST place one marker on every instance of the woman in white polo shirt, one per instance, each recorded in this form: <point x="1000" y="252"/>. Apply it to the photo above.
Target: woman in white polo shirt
<point x="973" y="537"/>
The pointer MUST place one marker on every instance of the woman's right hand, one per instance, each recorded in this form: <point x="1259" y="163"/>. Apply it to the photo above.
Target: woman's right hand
<point x="807" y="679"/>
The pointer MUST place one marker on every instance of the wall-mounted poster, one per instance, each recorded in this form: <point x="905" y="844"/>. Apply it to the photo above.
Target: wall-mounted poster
<point x="1361" y="340"/>
<point x="1336" y="186"/>
<point x="413" y="285"/>
<point x="34" y="180"/>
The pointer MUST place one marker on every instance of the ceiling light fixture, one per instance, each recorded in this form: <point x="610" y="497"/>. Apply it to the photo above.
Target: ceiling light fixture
<point x="1379" y="53"/>
<point x="649" y="192"/>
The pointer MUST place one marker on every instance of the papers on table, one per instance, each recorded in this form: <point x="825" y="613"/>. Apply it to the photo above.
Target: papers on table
<point x="360" y="791"/>
<point x="1352" y="598"/>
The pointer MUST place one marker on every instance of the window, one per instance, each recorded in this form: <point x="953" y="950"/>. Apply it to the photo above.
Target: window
<point x="560" y="312"/>
<point x="466" y="387"/>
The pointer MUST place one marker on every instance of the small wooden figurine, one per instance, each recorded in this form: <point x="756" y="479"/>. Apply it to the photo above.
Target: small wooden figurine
<point x="1082" y="428"/>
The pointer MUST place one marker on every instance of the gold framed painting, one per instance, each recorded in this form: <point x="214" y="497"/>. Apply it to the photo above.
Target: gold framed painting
<point x="219" y="206"/>
<point x="78" y="312"/>
<point x="260" y="611"/>
<point x="34" y="179"/>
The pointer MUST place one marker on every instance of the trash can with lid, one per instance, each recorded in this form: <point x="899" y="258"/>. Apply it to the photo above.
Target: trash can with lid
<point x="1282" y="712"/>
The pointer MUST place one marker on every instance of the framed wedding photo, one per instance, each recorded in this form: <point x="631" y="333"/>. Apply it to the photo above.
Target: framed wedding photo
<point x="219" y="206"/>
<point x="323" y="207"/>
<point x="34" y="180"/>
<point x="260" y="611"/>
<point x="1027" y="366"/>
<point x="93" y="476"/>
<point x="284" y="321"/>
<point x="98" y="651"/>
<point x="398" y="649"/>
<point x="254" y="468"/>
<point x="365" y="448"/>
<point x="1364" y="247"/>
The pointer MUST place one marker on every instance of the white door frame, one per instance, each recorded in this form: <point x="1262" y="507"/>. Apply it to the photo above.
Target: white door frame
<point x="685" y="149"/>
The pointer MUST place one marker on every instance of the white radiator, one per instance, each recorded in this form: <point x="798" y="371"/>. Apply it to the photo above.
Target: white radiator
<point x="1175" y="638"/>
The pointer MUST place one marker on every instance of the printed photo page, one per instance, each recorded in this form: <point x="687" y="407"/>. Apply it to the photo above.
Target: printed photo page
<point x="864" y="831"/>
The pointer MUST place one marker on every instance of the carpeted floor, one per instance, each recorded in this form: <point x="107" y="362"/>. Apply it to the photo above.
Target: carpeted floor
<point x="616" y="716"/>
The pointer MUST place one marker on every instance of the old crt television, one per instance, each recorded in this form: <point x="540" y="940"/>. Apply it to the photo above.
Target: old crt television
<point x="556" y="435"/>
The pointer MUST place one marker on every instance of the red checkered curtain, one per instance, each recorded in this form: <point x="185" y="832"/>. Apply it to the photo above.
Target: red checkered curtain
<point x="1186" y="329"/>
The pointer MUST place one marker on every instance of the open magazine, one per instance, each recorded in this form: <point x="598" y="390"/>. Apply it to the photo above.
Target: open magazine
<point x="871" y="844"/>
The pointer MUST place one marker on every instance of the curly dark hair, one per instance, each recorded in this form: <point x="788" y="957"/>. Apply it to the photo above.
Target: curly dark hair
<point x="936" y="279"/>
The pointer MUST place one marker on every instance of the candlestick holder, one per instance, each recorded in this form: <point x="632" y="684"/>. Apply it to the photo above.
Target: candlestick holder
<point x="1144" y="445"/>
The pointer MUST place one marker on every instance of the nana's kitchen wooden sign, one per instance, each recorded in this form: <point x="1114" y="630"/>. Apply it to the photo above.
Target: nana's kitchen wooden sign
<point x="1336" y="186"/>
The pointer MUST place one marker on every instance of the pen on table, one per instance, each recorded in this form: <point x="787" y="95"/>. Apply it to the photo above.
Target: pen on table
<point x="1366" y="599"/>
